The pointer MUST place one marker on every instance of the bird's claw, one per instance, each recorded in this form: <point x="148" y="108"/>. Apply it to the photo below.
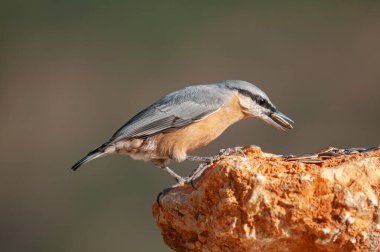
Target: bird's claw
<point x="200" y="159"/>
<point x="229" y="151"/>
<point x="180" y="181"/>
<point x="198" y="172"/>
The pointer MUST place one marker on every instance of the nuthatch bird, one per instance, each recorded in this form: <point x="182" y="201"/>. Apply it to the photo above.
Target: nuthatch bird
<point x="186" y="120"/>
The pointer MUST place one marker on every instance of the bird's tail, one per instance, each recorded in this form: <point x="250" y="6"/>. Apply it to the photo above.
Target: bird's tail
<point x="98" y="152"/>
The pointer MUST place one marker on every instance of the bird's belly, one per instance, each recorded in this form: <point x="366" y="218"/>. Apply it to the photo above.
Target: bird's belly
<point x="177" y="144"/>
<point x="140" y="156"/>
<point x="138" y="149"/>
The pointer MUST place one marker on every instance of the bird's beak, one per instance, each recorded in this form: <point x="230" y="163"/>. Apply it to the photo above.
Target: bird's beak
<point x="279" y="120"/>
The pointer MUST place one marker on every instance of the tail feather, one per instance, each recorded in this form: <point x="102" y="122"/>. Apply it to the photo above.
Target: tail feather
<point x="98" y="152"/>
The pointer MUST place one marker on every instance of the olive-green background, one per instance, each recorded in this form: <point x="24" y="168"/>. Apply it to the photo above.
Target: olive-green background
<point x="72" y="72"/>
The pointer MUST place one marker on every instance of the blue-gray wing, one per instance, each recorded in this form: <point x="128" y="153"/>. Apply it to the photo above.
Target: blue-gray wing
<point x="173" y="111"/>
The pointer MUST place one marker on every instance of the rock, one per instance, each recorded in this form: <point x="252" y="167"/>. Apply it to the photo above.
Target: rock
<point x="264" y="202"/>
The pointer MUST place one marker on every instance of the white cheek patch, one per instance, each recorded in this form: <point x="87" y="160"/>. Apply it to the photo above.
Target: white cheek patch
<point x="250" y="107"/>
<point x="246" y="102"/>
<point x="258" y="111"/>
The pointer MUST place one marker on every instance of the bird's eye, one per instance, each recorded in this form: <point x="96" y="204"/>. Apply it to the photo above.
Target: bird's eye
<point x="261" y="101"/>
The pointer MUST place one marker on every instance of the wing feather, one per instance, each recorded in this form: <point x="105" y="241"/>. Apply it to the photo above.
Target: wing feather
<point x="173" y="111"/>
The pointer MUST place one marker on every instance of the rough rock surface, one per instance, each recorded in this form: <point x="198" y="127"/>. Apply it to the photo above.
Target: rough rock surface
<point x="263" y="202"/>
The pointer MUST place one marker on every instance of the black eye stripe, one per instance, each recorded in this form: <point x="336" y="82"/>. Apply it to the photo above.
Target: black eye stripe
<point x="258" y="99"/>
<point x="248" y="94"/>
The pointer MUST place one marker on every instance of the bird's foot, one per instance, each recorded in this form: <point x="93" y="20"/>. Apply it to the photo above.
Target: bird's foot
<point x="200" y="159"/>
<point x="197" y="173"/>
<point x="221" y="153"/>
<point x="229" y="151"/>
<point x="207" y="161"/>
<point x="180" y="180"/>
<point x="204" y="163"/>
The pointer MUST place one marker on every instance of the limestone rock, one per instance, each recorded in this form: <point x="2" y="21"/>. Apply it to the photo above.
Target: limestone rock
<point x="264" y="202"/>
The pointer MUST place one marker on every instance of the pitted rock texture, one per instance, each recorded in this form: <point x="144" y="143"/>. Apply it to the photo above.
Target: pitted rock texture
<point x="261" y="202"/>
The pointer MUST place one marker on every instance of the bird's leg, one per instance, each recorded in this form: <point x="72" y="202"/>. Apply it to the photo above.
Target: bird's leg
<point x="177" y="177"/>
<point x="200" y="159"/>
<point x="198" y="172"/>
<point x="181" y="181"/>
<point x="204" y="163"/>
<point x="208" y="160"/>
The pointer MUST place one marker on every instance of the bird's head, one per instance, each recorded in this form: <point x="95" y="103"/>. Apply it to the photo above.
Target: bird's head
<point x="255" y="103"/>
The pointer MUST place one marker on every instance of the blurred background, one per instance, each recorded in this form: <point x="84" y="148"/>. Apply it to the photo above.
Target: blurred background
<point x="72" y="72"/>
